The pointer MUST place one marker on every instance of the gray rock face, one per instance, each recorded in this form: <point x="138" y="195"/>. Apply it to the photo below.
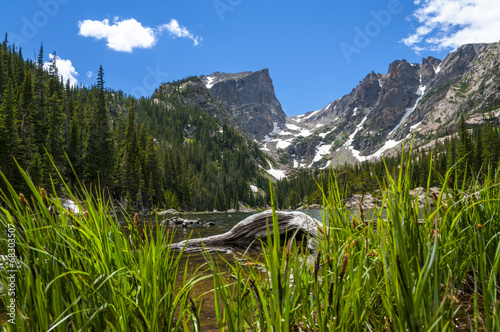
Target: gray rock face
<point x="428" y="69"/>
<point x="411" y="100"/>
<point x="250" y="98"/>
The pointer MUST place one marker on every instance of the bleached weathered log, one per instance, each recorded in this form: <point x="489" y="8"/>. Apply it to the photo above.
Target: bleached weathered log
<point x="254" y="227"/>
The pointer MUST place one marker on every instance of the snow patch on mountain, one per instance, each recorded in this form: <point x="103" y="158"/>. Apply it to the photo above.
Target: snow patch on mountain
<point x="420" y="92"/>
<point x="323" y="135"/>
<point x="321" y="150"/>
<point x="292" y="127"/>
<point x="283" y="144"/>
<point x="303" y="117"/>
<point x="327" y="165"/>
<point x="276" y="173"/>
<point x="415" y="126"/>
<point x="210" y="82"/>
<point x="351" y="137"/>
<point x="387" y="146"/>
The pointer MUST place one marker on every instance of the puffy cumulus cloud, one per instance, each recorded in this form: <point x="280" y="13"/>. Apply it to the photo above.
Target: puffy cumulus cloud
<point x="126" y="35"/>
<point x="176" y="30"/>
<point x="90" y="74"/>
<point x="65" y="69"/>
<point x="444" y="24"/>
<point x="121" y="36"/>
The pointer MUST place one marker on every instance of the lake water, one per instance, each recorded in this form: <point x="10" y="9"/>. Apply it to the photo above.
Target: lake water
<point x="223" y="223"/>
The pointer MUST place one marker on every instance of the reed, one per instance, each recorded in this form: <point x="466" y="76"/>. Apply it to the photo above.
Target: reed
<point x="88" y="272"/>
<point x="409" y="268"/>
<point x="400" y="267"/>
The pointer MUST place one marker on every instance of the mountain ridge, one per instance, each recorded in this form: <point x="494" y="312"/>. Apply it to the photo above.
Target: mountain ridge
<point x="419" y="101"/>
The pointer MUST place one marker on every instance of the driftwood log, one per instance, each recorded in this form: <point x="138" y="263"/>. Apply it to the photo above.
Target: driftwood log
<point x="254" y="227"/>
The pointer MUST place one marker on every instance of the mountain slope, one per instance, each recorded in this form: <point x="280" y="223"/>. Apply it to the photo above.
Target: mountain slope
<point x="419" y="101"/>
<point x="412" y="100"/>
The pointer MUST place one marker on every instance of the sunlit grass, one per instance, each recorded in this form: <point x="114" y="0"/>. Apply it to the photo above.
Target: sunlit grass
<point x="409" y="268"/>
<point x="405" y="268"/>
<point x="89" y="272"/>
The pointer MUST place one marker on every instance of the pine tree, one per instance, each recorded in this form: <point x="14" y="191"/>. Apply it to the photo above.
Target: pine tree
<point x="464" y="148"/>
<point x="55" y="143"/>
<point x="478" y="151"/>
<point x="39" y="128"/>
<point x="3" y="79"/>
<point x="25" y="117"/>
<point x="9" y="139"/>
<point x="451" y="156"/>
<point x="131" y="157"/>
<point x="98" y="156"/>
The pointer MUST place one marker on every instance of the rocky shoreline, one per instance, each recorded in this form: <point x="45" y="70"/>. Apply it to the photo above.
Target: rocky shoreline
<point x="367" y="201"/>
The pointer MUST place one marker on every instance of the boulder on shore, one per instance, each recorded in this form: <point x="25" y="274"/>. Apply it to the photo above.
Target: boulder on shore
<point x="367" y="200"/>
<point x="423" y="198"/>
<point x="169" y="211"/>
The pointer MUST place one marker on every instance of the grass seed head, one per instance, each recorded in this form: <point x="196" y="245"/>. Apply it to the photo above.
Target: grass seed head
<point x="45" y="197"/>
<point x="316" y="265"/>
<point x="23" y="200"/>
<point x="136" y="219"/>
<point x="361" y="214"/>
<point x="345" y="263"/>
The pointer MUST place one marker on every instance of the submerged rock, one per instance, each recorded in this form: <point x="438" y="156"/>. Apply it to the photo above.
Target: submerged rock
<point x="179" y="221"/>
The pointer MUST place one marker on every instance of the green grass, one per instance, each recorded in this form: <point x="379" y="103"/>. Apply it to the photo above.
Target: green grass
<point x="419" y="269"/>
<point x="422" y="269"/>
<point x="87" y="273"/>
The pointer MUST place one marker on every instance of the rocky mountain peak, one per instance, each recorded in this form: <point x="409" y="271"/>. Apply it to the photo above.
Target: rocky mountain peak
<point x="411" y="101"/>
<point x="430" y="67"/>
<point x="249" y="97"/>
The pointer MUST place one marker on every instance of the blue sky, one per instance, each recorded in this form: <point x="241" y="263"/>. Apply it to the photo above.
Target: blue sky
<point x="316" y="51"/>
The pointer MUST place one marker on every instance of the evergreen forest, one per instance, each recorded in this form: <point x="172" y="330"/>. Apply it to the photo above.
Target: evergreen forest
<point x="148" y="153"/>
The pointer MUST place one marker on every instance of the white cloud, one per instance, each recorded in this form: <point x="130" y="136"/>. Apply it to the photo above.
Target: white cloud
<point x="121" y="36"/>
<point x="125" y="35"/>
<point x="177" y="30"/>
<point x="444" y="24"/>
<point x="90" y="74"/>
<point x="65" y="69"/>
